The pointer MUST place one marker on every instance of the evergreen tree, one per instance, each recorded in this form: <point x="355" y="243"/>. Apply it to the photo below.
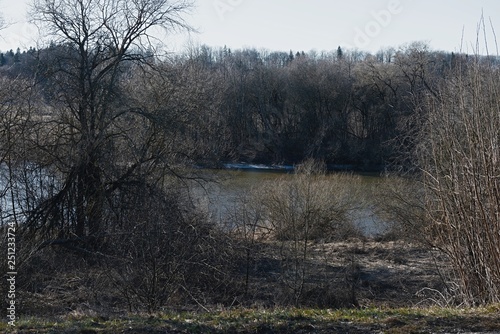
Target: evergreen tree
<point x="453" y="60"/>
<point x="340" y="53"/>
<point x="17" y="56"/>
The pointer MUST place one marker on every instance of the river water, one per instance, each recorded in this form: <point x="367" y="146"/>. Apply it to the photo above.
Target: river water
<point x="223" y="197"/>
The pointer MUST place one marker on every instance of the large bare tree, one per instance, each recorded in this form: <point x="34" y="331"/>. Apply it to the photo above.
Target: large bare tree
<point x="97" y="138"/>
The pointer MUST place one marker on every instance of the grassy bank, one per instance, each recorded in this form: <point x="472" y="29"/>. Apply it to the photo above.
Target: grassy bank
<point x="368" y="320"/>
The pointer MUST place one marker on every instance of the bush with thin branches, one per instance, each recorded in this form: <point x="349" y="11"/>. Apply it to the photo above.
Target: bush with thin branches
<point x="297" y="210"/>
<point x="460" y="159"/>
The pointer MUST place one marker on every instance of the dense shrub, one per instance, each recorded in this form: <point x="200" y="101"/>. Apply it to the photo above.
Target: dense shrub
<point x="310" y="205"/>
<point x="160" y="252"/>
<point x="460" y="159"/>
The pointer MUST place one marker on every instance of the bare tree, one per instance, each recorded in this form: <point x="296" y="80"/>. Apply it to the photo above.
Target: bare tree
<point x="3" y="24"/>
<point x="99" y="139"/>
<point x="17" y="97"/>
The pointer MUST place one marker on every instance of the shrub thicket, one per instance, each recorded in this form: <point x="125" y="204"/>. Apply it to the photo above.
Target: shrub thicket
<point x="460" y="160"/>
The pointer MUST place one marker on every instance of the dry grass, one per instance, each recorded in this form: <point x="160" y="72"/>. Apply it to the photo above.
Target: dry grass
<point x="289" y="320"/>
<point x="397" y="286"/>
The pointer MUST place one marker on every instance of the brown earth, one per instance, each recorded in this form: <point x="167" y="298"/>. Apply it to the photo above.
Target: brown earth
<point x="374" y="273"/>
<point x="394" y="274"/>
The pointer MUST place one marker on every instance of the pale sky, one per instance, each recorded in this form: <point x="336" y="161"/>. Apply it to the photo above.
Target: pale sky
<point x="304" y="25"/>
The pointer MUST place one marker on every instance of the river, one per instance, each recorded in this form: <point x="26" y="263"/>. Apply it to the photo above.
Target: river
<point x="223" y="197"/>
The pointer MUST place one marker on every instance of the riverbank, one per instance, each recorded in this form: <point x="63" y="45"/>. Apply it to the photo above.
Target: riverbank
<point x="353" y="273"/>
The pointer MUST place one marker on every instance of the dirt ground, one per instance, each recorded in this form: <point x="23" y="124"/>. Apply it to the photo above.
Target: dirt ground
<point x="374" y="273"/>
<point x="394" y="274"/>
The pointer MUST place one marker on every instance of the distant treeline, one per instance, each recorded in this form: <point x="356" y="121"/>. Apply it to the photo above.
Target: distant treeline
<point x="344" y="107"/>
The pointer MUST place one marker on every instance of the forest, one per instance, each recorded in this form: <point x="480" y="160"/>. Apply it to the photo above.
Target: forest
<point x="103" y="136"/>
<point x="347" y="108"/>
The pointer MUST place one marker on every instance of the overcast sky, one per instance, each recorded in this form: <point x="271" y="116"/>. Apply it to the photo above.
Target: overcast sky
<point x="303" y="25"/>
